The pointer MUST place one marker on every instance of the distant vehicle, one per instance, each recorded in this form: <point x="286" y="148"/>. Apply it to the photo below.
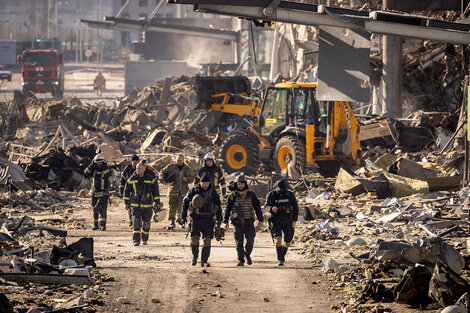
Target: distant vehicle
<point x="5" y="75"/>
<point x="43" y="71"/>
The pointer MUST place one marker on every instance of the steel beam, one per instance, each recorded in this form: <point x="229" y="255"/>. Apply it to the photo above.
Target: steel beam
<point x="296" y="13"/>
<point x="137" y="26"/>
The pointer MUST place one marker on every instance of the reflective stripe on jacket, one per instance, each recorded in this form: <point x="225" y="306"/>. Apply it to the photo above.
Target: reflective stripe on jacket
<point x="100" y="184"/>
<point x="141" y="192"/>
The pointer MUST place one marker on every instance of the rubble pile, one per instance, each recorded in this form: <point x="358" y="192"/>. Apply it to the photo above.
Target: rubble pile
<point x="56" y="140"/>
<point x="39" y="270"/>
<point x="398" y="249"/>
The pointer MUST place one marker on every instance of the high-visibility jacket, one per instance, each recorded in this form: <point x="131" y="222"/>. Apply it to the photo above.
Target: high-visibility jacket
<point x="215" y="175"/>
<point x="100" y="184"/>
<point x="141" y="192"/>
<point x="125" y="175"/>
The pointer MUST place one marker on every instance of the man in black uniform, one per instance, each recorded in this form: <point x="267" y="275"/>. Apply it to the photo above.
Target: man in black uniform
<point x="242" y="205"/>
<point x="214" y="173"/>
<point x="125" y="175"/>
<point x="141" y="194"/>
<point x="100" y="172"/>
<point x="284" y="210"/>
<point x="203" y="202"/>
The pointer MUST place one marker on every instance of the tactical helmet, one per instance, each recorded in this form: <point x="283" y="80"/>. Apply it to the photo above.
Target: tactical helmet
<point x="197" y="202"/>
<point x="240" y="179"/>
<point x="209" y="156"/>
<point x="98" y="158"/>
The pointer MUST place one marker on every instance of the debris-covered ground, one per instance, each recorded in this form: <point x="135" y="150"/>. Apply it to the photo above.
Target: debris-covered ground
<point x="386" y="235"/>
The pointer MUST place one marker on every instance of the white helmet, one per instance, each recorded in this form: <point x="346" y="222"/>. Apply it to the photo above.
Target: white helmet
<point x="99" y="158"/>
<point x="159" y="216"/>
<point x="209" y="156"/>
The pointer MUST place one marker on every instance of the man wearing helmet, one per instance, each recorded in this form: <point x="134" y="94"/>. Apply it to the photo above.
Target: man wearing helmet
<point x="284" y="210"/>
<point x="125" y="175"/>
<point x="242" y="205"/>
<point x="203" y="203"/>
<point x="100" y="172"/>
<point x="141" y="194"/>
<point x="214" y="173"/>
<point x="177" y="176"/>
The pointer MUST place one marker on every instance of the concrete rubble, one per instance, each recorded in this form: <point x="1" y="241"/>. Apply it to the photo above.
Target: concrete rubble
<point x="384" y="231"/>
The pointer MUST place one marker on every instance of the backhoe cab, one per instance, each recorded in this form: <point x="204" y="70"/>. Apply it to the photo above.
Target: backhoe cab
<point x="294" y="128"/>
<point x="290" y="127"/>
<point x="304" y="131"/>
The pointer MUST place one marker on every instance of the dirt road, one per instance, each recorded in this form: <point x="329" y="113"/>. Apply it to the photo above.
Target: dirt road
<point x="159" y="277"/>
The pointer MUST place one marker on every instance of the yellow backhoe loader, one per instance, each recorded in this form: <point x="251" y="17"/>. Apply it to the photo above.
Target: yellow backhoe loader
<point x="290" y="127"/>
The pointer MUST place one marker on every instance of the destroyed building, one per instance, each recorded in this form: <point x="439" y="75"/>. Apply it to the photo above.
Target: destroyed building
<point x="388" y="230"/>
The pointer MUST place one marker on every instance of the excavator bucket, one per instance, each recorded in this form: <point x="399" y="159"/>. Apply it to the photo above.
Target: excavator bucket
<point x="206" y="87"/>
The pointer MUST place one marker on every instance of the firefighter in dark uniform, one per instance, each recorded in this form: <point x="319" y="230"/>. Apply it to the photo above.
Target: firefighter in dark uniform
<point x="214" y="173"/>
<point x="284" y="210"/>
<point x="177" y="176"/>
<point x="125" y="175"/>
<point x="141" y="195"/>
<point x="100" y="172"/>
<point x="242" y="205"/>
<point x="203" y="202"/>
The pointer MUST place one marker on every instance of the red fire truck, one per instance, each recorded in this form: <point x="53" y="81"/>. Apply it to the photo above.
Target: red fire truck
<point x="43" y="71"/>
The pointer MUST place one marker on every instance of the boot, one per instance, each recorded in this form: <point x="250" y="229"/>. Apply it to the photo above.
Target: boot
<point x="280" y="257"/>
<point x="248" y="259"/>
<point x="103" y="228"/>
<point x="95" y="226"/>
<point x="206" y="251"/>
<point x="172" y="226"/>
<point x="195" y="251"/>
<point x="284" y="252"/>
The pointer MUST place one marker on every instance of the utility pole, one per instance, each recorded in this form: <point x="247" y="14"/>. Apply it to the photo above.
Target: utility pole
<point x="392" y="78"/>
<point x="56" y="19"/>
<point x="48" y="27"/>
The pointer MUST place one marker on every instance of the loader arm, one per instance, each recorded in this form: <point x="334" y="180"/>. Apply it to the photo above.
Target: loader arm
<point x="343" y="132"/>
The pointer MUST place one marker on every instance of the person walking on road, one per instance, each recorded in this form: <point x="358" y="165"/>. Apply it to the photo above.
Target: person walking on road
<point x="242" y="206"/>
<point x="203" y="203"/>
<point x="99" y="84"/>
<point x="141" y="195"/>
<point x="100" y="172"/>
<point x="177" y="176"/>
<point x="284" y="210"/>
<point x="125" y="175"/>
<point x="214" y="173"/>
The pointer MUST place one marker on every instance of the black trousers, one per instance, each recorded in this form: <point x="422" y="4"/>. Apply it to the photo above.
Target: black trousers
<point x="141" y="223"/>
<point x="246" y="231"/>
<point x="285" y="228"/>
<point x="204" y="226"/>
<point x="100" y="209"/>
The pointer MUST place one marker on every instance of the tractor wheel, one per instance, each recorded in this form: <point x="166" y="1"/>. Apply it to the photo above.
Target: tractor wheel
<point x="289" y="149"/>
<point x="240" y="154"/>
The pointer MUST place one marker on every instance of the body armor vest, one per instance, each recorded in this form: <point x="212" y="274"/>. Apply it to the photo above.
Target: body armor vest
<point x="245" y="205"/>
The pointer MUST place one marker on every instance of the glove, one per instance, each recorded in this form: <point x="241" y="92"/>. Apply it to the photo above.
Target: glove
<point x="157" y="207"/>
